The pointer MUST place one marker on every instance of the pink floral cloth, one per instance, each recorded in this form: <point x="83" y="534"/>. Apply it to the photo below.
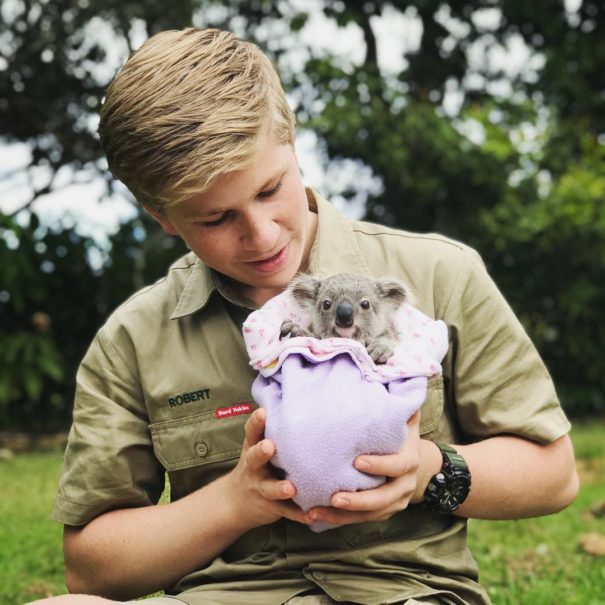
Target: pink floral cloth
<point x="422" y="344"/>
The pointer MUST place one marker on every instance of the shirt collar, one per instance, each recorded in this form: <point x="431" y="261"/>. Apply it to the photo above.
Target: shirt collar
<point x="334" y="251"/>
<point x="196" y="293"/>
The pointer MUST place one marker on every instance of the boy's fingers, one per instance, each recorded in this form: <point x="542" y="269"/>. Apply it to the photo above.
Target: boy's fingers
<point x="389" y="495"/>
<point x="272" y="489"/>
<point x="260" y="453"/>
<point x="336" y="517"/>
<point x="389" y="465"/>
<point x="397" y="464"/>
<point x="291" y="511"/>
<point x="414" y="420"/>
<point x="254" y="429"/>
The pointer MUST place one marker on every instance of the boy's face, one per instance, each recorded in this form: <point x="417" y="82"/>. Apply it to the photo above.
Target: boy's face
<point x="252" y="225"/>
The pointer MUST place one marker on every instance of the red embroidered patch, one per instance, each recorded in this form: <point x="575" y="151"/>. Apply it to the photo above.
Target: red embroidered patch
<point x="234" y="410"/>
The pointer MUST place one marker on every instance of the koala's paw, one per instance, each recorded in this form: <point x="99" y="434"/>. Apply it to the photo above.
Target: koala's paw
<point x="380" y="351"/>
<point x="289" y="328"/>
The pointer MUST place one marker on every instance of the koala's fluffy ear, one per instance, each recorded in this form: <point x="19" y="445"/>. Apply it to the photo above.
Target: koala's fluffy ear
<point x="392" y="291"/>
<point x="304" y="288"/>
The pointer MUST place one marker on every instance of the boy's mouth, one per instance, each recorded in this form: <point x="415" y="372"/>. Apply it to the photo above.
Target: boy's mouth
<point x="271" y="263"/>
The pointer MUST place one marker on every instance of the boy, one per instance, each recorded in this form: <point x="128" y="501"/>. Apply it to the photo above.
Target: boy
<point x="197" y="126"/>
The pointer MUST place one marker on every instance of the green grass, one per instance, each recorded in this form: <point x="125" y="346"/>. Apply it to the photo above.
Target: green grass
<point x="31" y="561"/>
<point x="540" y="561"/>
<point x="530" y="562"/>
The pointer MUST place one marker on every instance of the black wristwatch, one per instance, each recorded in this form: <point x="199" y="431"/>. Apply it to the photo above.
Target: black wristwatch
<point x="448" y="489"/>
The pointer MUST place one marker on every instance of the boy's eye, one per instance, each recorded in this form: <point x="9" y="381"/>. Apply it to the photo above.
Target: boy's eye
<point x="326" y="305"/>
<point x="365" y="304"/>
<point x="218" y="221"/>
<point x="270" y="192"/>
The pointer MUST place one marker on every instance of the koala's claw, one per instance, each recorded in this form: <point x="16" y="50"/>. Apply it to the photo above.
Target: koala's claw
<point x="289" y="328"/>
<point x="379" y="351"/>
<point x="286" y="328"/>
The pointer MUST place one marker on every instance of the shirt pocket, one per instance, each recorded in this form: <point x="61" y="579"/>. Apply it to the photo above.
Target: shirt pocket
<point x="197" y="449"/>
<point x="432" y="408"/>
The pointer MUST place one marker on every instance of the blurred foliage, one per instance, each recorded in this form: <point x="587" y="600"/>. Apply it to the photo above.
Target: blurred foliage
<point x="52" y="301"/>
<point x="507" y="158"/>
<point x="49" y="89"/>
<point x="46" y="305"/>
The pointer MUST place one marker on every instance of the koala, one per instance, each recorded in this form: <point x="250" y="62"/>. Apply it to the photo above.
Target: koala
<point x="349" y="306"/>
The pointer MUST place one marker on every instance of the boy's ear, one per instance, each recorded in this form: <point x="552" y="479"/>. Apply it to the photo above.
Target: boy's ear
<point x="304" y="289"/>
<point x="161" y="218"/>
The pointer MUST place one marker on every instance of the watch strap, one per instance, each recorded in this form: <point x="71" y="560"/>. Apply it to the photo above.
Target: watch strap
<point x="452" y="457"/>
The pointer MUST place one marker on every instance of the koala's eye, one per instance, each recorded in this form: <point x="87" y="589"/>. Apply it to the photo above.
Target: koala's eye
<point x="326" y="304"/>
<point x="365" y="304"/>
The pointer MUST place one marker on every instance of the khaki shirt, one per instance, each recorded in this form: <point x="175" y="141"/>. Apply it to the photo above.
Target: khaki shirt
<point x="164" y="384"/>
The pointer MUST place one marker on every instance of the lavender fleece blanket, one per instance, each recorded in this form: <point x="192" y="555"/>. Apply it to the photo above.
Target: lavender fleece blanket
<point x="322" y="416"/>
<point x="327" y="402"/>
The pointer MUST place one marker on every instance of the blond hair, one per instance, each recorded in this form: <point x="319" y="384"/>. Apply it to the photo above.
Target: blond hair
<point x="187" y="107"/>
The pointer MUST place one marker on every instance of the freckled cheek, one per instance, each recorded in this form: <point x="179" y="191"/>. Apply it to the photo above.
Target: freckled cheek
<point x="211" y="247"/>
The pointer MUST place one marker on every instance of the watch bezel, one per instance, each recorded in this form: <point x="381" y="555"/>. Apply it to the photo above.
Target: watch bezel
<point x="449" y="487"/>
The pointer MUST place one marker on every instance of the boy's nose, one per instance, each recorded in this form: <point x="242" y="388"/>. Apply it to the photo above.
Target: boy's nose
<point x="344" y="315"/>
<point x="261" y="235"/>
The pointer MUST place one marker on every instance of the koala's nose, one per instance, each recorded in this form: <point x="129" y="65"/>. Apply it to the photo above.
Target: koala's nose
<point x="344" y="315"/>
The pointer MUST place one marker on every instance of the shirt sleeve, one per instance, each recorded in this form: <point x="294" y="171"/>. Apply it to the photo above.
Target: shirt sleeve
<point x="109" y="461"/>
<point x="499" y="382"/>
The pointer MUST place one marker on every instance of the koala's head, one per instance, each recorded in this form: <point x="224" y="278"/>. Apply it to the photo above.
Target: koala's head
<point x="348" y="305"/>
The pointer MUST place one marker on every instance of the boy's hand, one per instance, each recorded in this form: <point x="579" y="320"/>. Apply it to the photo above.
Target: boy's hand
<point x="259" y="497"/>
<point x="407" y="473"/>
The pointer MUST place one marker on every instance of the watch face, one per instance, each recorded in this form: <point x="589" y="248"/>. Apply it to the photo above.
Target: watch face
<point x="448" y="489"/>
<point x="455" y="492"/>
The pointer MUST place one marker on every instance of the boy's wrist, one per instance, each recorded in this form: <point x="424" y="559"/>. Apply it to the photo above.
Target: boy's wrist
<point x="430" y="464"/>
<point x="231" y="512"/>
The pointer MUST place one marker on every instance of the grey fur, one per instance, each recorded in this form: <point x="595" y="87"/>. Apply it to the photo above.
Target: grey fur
<point x="368" y="303"/>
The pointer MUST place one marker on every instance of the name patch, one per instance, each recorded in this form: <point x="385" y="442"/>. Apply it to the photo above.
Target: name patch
<point x="183" y="398"/>
<point x="234" y="410"/>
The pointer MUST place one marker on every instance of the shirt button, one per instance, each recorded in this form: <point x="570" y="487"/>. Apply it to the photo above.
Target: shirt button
<point x="201" y="449"/>
<point x="319" y="575"/>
